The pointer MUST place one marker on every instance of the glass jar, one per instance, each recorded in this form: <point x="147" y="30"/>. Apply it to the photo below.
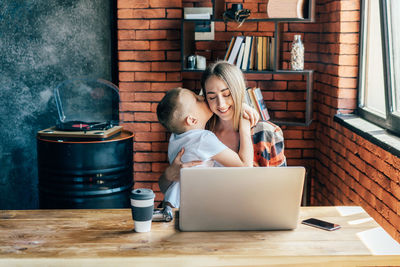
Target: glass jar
<point x="297" y="54"/>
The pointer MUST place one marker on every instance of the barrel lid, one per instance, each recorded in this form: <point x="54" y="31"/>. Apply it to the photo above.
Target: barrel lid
<point x="142" y="194"/>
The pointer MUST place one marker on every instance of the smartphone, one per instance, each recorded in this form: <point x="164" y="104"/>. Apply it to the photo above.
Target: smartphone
<point x="321" y="224"/>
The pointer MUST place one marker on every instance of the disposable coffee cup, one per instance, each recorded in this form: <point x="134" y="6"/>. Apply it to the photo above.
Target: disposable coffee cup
<point x="142" y="204"/>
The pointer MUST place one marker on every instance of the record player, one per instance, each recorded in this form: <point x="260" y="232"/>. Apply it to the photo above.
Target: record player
<point x="87" y="109"/>
<point x="86" y="159"/>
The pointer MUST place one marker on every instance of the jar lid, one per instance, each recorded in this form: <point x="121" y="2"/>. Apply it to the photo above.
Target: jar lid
<point x="142" y="194"/>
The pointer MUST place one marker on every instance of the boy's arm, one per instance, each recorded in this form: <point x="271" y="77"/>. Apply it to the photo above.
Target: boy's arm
<point x="172" y="172"/>
<point x="244" y="158"/>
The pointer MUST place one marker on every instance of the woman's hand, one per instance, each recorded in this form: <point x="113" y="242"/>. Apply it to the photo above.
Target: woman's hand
<point x="250" y="114"/>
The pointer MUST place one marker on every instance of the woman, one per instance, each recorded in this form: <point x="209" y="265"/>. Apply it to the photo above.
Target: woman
<point x="224" y="87"/>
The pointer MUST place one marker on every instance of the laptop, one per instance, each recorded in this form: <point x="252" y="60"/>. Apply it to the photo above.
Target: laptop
<point x="240" y="198"/>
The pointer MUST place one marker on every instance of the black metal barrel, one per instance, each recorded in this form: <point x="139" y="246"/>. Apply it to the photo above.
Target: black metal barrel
<point x="85" y="174"/>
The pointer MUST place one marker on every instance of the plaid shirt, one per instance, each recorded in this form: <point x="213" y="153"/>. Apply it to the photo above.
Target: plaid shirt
<point x="268" y="145"/>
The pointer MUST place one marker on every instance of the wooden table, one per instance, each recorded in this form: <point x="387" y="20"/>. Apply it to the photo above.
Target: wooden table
<point x="106" y="237"/>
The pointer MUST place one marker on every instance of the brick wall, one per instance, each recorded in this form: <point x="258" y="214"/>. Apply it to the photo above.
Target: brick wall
<point x="349" y="170"/>
<point x="345" y="168"/>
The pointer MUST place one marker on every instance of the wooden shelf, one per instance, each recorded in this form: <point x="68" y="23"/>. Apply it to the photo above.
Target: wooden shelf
<point x="188" y="48"/>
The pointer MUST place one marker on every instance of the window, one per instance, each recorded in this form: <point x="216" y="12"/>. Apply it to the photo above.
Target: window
<point x="379" y="97"/>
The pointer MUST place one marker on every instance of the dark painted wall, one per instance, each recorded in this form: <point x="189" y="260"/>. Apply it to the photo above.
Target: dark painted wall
<point x="41" y="44"/>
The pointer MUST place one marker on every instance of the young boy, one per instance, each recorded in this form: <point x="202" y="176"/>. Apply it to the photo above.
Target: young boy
<point x="185" y="115"/>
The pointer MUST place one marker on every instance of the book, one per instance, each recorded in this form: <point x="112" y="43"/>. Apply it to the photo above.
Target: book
<point x="252" y="53"/>
<point x="254" y="101"/>
<point x="285" y="9"/>
<point x="235" y="49"/>
<point x="228" y="51"/>
<point x="261" y="104"/>
<point x="240" y="56"/>
<point x="248" y="99"/>
<point x="259" y="53"/>
<point x="246" y="55"/>
<point x="272" y="53"/>
<point x="264" y="53"/>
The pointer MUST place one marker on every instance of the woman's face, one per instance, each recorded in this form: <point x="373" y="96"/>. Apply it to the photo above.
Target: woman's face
<point x="219" y="98"/>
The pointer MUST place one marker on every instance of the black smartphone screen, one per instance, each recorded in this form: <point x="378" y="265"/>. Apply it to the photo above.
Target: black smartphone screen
<point x="321" y="224"/>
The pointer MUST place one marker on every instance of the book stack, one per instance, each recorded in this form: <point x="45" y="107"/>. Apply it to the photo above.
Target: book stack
<point x="251" y="52"/>
<point x="255" y="100"/>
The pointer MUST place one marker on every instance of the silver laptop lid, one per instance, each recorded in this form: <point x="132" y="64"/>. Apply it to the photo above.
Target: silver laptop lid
<point x="240" y="198"/>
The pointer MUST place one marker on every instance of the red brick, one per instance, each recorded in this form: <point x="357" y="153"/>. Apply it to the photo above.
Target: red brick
<point x="150" y="96"/>
<point x="145" y="116"/>
<point x="165" y="24"/>
<point x="149" y="157"/>
<point x="146" y="176"/>
<point x="296" y="85"/>
<point x="349" y="27"/>
<point x="141" y="127"/>
<point x="173" y="35"/>
<point x="132" y="4"/>
<point x="141" y="13"/>
<point x="157" y="146"/>
<point x="151" y="34"/>
<point x="134" y="66"/>
<point x="289" y="96"/>
<point x="256" y="76"/>
<point x="142" y="55"/>
<point x="137" y="86"/>
<point x="346" y="103"/>
<point x="292" y="153"/>
<point x="165" y="66"/>
<point x="157" y="127"/>
<point x="135" y="106"/>
<point x="149" y="136"/>
<point x="349" y="5"/>
<point x="133" y="24"/>
<point x="347" y="82"/>
<point x="350" y="16"/>
<point x="174" y="13"/>
<point x="351" y="49"/>
<point x="142" y="146"/>
<point x="125" y="116"/>
<point x="349" y="38"/>
<point x="348" y="71"/>
<point x="126" y="35"/>
<point x="274" y="85"/>
<point x="164" y="45"/>
<point x="173" y="55"/>
<point x="165" y="3"/>
<point x="142" y="167"/>
<point x="126" y="96"/>
<point x="164" y="86"/>
<point x="299" y="144"/>
<point x="150" y="76"/>
<point x="159" y="167"/>
<point x="266" y="26"/>
<point x="174" y="76"/>
<point x="126" y="76"/>
<point x="133" y="45"/>
<point x="287" y="77"/>
<point x="276" y="105"/>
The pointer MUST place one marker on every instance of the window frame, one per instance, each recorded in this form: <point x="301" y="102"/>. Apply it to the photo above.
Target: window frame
<point x="391" y="122"/>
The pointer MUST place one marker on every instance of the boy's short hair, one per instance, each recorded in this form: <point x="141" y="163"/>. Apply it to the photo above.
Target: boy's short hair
<point x="170" y="112"/>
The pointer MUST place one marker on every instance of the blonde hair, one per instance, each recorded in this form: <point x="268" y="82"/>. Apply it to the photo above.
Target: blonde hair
<point x="234" y="79"/>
